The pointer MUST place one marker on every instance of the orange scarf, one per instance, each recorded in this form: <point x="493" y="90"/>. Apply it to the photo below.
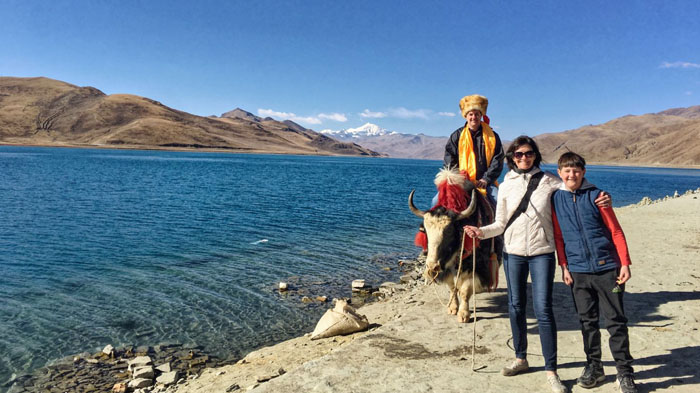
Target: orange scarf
<point x="467" y="155"/>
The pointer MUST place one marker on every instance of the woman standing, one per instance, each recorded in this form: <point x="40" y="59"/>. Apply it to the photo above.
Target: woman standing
<point x="524" y="216"/>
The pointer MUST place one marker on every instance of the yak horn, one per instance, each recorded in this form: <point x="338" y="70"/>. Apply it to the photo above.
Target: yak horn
<point x="414" y="209"/>
<point x="470" y="210"/>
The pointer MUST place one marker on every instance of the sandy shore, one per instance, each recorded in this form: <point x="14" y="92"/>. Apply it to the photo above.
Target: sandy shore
<point x="413" y="345"/>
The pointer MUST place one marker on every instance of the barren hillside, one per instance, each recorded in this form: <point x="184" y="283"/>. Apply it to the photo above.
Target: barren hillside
<point x="671" y="137"/>
<point x="42" y="111"/>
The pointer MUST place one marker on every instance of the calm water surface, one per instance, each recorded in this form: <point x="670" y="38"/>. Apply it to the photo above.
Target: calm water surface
<point x="138" y="247"/>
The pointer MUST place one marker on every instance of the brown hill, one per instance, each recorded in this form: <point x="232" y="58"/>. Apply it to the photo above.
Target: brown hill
<point x="668" y="138"/>
<point x="42" y="111"/>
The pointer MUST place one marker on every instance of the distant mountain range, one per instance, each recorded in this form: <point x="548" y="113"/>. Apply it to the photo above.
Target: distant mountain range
<point x="668" y="138"/>
<point x="392" y="143"/>
<point x="42" y="111"/>
<point x="671" y="137"/>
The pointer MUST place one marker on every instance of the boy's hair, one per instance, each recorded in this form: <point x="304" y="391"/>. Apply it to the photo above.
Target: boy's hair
<point x="516" y="144"/>
<point x="570" y="160"/>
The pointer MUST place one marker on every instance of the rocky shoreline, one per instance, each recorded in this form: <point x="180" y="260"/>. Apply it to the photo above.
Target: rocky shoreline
<point x="396" y="306"/>
<point x="117" y="369"/>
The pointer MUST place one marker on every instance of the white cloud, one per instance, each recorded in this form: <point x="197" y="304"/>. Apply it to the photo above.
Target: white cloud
<point x="679" y="64"/>
<point x="403" y="113"/>
<point x="448" y="114"/>
<point x="288" y="116"/>
<point x="372" y="115"/>
<point x="334" y="116"/>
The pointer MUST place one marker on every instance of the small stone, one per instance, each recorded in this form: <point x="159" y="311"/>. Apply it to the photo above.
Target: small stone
<point x="233" y="388"/>
<point x="143" y="372"/>
<point x="108" y="350"/>
<point x="306" y="299"/>
<point x="143" y="350"/>
<point x="283" y="286"/>
<point x="140" y="383"/>
<point x="264" y="378"/>
<point x="164" y="368"/>
<point x="220" y="373"/>
<point x="168" y="378"/>
<point x="139" y="361"/>
<point x="119" y="387"/>
<point x="386" y="269"/>
<point x="92" y="361"/>
<point x="358" y="284"/>
<point x="322" y="299"/>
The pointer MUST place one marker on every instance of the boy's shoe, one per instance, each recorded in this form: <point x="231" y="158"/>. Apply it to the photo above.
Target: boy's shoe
<point x="626" y="383"/>
<point x="592" y="374"/>
<point x="515" y="368"/>
<point x="555" y="383"/>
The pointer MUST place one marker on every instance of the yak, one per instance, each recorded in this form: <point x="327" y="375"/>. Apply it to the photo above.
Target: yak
<point x="444" y="228"/>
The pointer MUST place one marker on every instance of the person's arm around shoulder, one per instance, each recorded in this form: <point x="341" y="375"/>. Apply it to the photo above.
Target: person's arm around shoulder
<point x="561" y="253"/>
<point x="620" y="242"/>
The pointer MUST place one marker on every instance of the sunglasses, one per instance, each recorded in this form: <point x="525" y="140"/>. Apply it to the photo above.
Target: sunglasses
<point x="520" y="154"/>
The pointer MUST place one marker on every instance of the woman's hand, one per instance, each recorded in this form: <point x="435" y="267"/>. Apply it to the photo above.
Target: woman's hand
<point x="473" y="231"/>
<point x="604" y="199"/>
<point x="566" y="276"/>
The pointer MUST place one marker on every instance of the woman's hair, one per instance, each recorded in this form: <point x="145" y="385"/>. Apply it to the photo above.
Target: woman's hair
<point x="519" y="142"/>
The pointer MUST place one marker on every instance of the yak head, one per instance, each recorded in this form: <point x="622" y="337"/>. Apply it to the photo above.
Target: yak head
<point x="443" y="224"/>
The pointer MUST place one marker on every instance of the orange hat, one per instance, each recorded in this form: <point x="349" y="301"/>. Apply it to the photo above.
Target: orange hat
<point x="473" y="102"/>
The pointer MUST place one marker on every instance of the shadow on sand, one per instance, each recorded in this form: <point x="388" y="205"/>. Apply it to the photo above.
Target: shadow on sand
<point x="642" y="310"/>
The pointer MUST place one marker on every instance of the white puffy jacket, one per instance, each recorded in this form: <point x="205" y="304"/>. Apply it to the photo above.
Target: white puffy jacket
<point x="531" y="233"/>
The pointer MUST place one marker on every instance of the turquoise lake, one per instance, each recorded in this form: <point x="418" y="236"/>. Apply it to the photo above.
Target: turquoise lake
<point x="145" y="247"/>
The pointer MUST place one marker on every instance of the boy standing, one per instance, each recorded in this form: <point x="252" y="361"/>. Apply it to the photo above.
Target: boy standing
<point x="592" y="252"/>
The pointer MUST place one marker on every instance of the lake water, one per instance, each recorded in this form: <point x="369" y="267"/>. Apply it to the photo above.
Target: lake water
<point x="145" y="247"/>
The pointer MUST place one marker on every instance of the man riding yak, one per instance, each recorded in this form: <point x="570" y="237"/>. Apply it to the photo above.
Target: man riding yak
<point x="473" y="161"/>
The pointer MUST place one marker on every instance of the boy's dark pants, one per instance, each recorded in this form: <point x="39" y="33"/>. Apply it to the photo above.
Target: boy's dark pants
<point x="589" y="291"/>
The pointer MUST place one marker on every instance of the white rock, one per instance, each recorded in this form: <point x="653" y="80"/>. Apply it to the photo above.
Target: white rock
<point x="139" y="361"/>
<point x="108" y="350"/>
<point x="358" y="284"/>
<point x="283" y="286"/>
<point x="140" y="383"/>
<point x="143" y="372"/>
<point x="168" y="378"/>
<point x="164" y="368"/>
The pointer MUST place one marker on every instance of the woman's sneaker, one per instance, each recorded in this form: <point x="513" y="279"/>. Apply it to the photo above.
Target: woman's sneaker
<point x="515" y="368"/>
<point x="555" y="384"/>
<point x="591" y="375"/>
<point x="626" y="383"/>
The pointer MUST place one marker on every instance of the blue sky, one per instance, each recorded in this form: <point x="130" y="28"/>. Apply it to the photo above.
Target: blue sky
<point x="546" y="66"/>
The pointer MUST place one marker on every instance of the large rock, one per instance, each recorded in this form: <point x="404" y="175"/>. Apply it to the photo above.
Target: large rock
<point x="108" y="350"/>
<point x="143" y="372"/>
<point x="140" y="383"/>
<point x="168" y="378"/>
<point x="139" y="361"/>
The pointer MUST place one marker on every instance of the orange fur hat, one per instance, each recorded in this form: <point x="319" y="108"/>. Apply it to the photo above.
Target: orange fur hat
<point x="472" y="102"/>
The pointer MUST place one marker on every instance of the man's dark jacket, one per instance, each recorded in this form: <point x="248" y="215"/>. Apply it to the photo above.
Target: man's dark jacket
<point x="483" y="170"/>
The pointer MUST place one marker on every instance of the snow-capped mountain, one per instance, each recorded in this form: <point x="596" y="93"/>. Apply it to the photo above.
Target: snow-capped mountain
<point x="392" y="143"/>
<point x="368" y="129"/>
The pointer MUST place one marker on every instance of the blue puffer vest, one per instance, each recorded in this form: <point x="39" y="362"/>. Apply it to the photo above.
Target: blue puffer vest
<point x="587" y="241"/>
